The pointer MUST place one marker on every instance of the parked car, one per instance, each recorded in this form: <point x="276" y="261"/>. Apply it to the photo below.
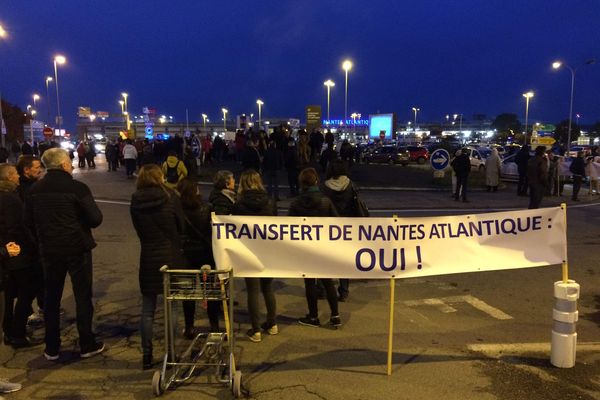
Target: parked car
<point x="477" y="157"/>
<point x="573" y="150"/>
<point x="388" y="154"/>
<point x="508" y="169"/>
<point x="418" y="154"/>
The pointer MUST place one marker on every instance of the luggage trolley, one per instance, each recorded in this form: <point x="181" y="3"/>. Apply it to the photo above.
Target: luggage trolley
<point x="213" y="349"/>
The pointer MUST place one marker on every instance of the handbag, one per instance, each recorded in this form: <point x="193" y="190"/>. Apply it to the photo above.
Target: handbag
<point x="360" y="208"/>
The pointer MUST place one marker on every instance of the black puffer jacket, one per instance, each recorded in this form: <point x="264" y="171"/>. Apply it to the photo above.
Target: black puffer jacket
<point x="198" y="234"/>
<point x="254" y="202"/>
<point x="158" y="221"/>
<point x="222" y="201"/>
<point x="12" y="229"/>
<point x="61" y="213"/>
<point x="341" y="193"/>
<point x="312" y="203"/>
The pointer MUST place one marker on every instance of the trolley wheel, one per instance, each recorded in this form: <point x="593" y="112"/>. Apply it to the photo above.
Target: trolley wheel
<point x="157" y="385"/>
<point x="236" y="384"/>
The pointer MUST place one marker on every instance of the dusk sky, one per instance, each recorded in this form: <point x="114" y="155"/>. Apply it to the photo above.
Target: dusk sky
<point x="467" y="56"/>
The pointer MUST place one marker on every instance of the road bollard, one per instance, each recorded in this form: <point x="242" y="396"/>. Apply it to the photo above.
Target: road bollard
<point x="565" y="316"/>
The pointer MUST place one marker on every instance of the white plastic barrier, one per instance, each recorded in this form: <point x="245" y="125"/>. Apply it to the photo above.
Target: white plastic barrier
<point x="565" y="316"/>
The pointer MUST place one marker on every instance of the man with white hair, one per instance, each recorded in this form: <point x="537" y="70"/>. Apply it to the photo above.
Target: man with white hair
<point x="61" y="213"/>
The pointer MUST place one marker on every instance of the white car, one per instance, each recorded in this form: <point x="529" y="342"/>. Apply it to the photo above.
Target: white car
<point x="477" y="157"/>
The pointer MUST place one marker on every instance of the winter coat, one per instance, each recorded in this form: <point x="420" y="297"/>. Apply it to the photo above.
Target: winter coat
<point x="461" y="165"/>
<point x="251" y="158"/>
<point x="492" y="169"/>
<point x="182" y="171"/>
<point x="158" y="221"/>
<point x="522" y="159"/>
<point x="340" y="191"/>
<point x="24" y="185"/>
<point x="537" y="171"/>
<point x="312" y="203"/>
<point x="254" y="202"/>
<point x="273" y="159"/>
<point x="222" y="201"/>
<point x="130" y="152"/>
<point x="61" y="212"/>
<point x="12" y="229"/>
<point x="197" y="244"/>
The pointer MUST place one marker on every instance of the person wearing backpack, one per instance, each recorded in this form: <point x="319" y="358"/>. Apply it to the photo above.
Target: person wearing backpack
<point x="174" y="170"/>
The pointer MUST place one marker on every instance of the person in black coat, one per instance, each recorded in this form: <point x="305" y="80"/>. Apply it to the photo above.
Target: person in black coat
<point x="462" y="166"/>
<point x="251" y="156"/>
<point x="254" y="200"/>
<point x="61" y="213"/>
<point x="159" y="223"/>
<point x="521" y="159"/>
<point x="313" y="203"/>
<point x="223" y="195"/>
<point x="21" y="284"/>
<point x="197" y="247"/>
<point x="537" y="177"/>
<point x="271" y="164"/>
<point x="340" y="190"/>
<point x="577" y="168"/>
<point x="291" y="165"/>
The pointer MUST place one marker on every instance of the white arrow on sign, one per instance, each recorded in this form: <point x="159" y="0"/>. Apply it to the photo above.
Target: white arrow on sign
<point x="440" y="159"/>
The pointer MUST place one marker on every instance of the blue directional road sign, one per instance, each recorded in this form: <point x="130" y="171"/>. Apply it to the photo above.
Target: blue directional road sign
<point x="439" y="159"/>
<point x="196" y="146"/>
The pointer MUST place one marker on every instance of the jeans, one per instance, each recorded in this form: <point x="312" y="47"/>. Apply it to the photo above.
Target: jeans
<point x="272" y="183"/>
<point x="522" y="185"/>
<point x="310" y="286"/>
<point x="344" y="288"/>
<point x="577" y="179"/>
<point x="21" y="285"/>
<point x="130" y="166"/>
<point x="79" y="268"/>
<point x="536" y="193"/>
<point x="461" y="187"/>
<point x="252" y="287"/>
<point x="212" y="309"/>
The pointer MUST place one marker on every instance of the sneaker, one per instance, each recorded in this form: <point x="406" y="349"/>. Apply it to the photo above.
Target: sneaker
<point x="8" y="387"/>
<point x="309" y="321"/>
<point x="343" y="297"/>
<point x="96" y="348"/>
<point x="254" y="336"/>
<point x="335" y="320"/>
<point x="50" y="356"/>
<point x="270" y="329"/>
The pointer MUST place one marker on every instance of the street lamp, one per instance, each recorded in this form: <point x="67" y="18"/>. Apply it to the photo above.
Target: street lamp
<point x="225" y="111"/>
<point x="260" y="104"/>
<point x="329" y="83"/>
<point x="35" y="97"/>
<point x="460" y="122"/>
<point x="58" y="59"/>
<point x="527" y="96"/>
<point x="204" y="117"/>
<point x="3" y="35"/>
<point x="127" y="125"/>
<point x="416" y="110"/>
<point x="346" y="66"/>
<point x="48" y="80"/>
<point x="557" y="65"/>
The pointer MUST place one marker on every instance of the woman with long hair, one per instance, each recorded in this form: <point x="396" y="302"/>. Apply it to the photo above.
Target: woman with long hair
<point x="252" y="199"/>
<point x="197" y="247"/>
<point x="158" y="220"/>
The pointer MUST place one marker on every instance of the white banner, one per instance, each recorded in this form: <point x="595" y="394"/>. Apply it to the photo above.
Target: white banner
<point x="376" y="248"/>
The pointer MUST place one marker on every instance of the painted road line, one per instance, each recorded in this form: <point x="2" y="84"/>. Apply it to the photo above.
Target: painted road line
<point x="496" y="350"/>
<point x="121" y="202"/>
<point x="441" y="303"/>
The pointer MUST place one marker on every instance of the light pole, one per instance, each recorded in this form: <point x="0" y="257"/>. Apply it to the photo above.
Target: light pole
<point x="329" y="83"/>
<point x="204" y="116"/>
<point x="527" y="96"/>
<point x="225" y="111"/>
<point x="35" y="97"/>
<point x="127" y="123"/>
<point x="48" y="79"/>
<point x="3" y="35"/>
<point x="557" y="65"/>
<point x="58" y="60"/>
<point x="460" y="122"/>
<point x="416" y="110"/>
<point x="122" y="103"/>
<point x="346" y="66"/>
<point x="260" y="104"/>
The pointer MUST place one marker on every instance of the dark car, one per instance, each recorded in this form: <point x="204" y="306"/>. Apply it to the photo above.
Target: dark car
<point x="419" y="154"/>
<point x="389" y="155"/>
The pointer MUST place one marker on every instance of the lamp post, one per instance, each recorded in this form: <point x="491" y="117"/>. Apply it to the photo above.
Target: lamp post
<point x="260" y="103"/>
<point x="527" y="96"/>
<point x="460" y="122"/>
<point x="35" y="98"/>
<point x="225" y="111"/>
<point x="3" y="35"/>
<point x="127" y="123"/>
<point x="48" y="80"/>
<point x="557" y="65"/>
<point x="416" y="110"/>
<point x="204" y="117"/>
<point x="58" y="60"/>
<point x="329" y="83"/>
<point x="346" y="66"/>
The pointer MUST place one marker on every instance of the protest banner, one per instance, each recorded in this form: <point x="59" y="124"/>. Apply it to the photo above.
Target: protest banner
<point x="380" y="248"/>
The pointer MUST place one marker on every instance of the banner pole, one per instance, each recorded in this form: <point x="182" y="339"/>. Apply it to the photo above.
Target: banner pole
<point x="391" y="327"/>
<point x="565" y="263"/>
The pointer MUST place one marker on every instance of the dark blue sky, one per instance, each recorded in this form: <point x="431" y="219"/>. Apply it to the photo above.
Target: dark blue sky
<point x="467" y="56"/>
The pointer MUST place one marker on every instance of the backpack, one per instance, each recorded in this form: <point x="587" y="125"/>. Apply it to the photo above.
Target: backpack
<point x="172" y="175"/>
